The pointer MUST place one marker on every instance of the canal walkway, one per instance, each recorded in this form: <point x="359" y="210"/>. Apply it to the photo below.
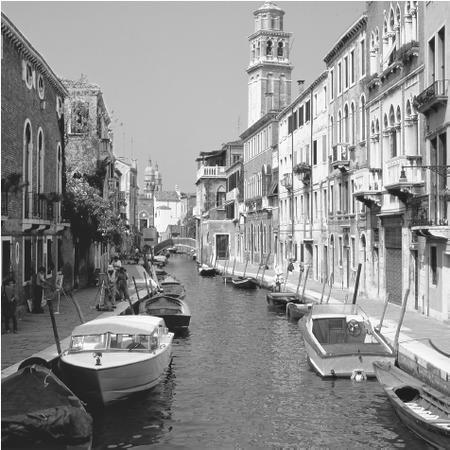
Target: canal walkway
<point x="35" y="336"/>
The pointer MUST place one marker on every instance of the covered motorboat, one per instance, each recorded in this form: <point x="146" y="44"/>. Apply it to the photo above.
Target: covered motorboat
<point x="341" y="342"/>
<point x="206" y="271"/>
<point x="244" y="282"/>
<point x="113" y="357"/>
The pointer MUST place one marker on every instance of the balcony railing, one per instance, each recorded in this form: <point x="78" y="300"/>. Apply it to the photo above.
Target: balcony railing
<point x="393" y="174"/>
<point x="340" y="158"/>
<point x="432" y="96"/>
<point x="211" y="172"/>
<point x="36" y="207"/>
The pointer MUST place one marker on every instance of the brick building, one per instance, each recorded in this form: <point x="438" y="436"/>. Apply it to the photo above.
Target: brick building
<point x="32" y="163"/>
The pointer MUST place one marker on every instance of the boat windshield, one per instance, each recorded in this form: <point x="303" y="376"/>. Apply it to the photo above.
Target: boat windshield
<point x="133" y="341"/>
<point x="88" y="342"/>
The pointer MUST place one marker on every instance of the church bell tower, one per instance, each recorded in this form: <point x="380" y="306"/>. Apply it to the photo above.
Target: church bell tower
<point x="269" y="71"/>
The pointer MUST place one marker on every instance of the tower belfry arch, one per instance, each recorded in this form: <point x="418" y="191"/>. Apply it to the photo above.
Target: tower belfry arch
<point x="269" y="71"/>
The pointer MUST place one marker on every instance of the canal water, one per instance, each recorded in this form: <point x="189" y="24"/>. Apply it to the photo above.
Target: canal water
<point x="239" y="380"/>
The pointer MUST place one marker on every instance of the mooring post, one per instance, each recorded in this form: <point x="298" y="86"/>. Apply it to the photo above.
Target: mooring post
<point x="386" y="302"/>
<point x="306" y="280"/>
<point x="355" y="293"/>
<point x="55" y="330"/>
<point x="299" y="280"/>
<point x="331" y="286"/>
<point x="400" y="321"/>
<point x="323" y="289"/>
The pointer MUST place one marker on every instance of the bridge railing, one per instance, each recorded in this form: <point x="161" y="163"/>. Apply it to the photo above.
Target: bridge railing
<point x="185" y="242"/>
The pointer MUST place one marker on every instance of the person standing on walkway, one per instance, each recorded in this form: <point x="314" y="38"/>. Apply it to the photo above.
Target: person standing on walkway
<point x="116" y="263"/>
<point x="40" y="285"/>
<point x="111" y="287"/>
<point x="122" y="284"/>
<point x="9" y="304"/>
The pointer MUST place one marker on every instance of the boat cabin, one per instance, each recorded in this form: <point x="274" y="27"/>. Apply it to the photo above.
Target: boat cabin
<point x="119" y="333"/>
<point x="341" y="324"/>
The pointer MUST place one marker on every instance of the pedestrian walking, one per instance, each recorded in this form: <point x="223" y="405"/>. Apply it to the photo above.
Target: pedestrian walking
<point x="9" y="303"/>
<point x="122" y="284"/>
<point x="116" y="263"/>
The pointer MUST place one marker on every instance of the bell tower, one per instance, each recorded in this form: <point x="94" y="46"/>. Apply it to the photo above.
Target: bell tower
<point x="269" y="71"/>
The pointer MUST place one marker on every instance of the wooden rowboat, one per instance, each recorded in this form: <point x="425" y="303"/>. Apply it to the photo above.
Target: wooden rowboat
<point x="424" y="410"/>
<point x="206" y="271"/>
<point x="175" y="312"/>
<point x="244" y="282"/>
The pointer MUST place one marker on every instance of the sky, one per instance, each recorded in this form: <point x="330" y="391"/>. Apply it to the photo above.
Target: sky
<point x="173" y="73"/>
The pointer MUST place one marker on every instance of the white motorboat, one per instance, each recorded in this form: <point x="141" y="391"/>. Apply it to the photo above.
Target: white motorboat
<point x="113" y="357"/>
<point x="341" y="342"/>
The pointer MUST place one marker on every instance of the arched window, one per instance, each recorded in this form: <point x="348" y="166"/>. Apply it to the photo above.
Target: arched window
<point x="339" y="127"/>
<point x="280" y="49"/>
<point x="346" y="125"/>
<point x="391" y="116"/>
<point x="385" y="122"/>
<point x="391" y="20"/>
<point x="353" y="124"/>
<point x="40" y="162"/>
<point x="220" y="196"/>
<point x="398" y="115"/>
<point x="377" y="126"/>
<point x="27" y="166"/>
<point x="372" y="128"/>
<point x="269" y="48"/>
<point x="332" y="130"/>
<point x="398" y="15"/>
<point x="363" y="118"/>
<point x="59" y="169"/>
<point x="408" y="109"/>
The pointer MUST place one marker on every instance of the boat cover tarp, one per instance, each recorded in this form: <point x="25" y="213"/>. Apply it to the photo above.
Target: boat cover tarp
<point x="37" y="406"/>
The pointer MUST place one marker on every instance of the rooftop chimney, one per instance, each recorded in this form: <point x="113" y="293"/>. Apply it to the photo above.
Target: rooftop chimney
<point x="301" y="86"/>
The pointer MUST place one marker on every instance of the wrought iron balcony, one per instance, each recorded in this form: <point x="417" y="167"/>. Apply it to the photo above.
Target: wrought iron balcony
<point x="396" y="182"/>
<point x="433" y="96"/>
<point x="340" y="158"/>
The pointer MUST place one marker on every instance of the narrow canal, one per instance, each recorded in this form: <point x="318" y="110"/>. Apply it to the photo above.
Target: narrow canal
<point x="240" y="380"/>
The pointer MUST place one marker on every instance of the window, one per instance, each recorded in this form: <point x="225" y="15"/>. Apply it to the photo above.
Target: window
<point x="353" y="250"/>
<point x="80" y="117"/>
<point x="49" y="261"/>
<point x="59" y="106"/>
<point x="352" y="66"/>
<point x="324" y="148"/>
<point x="28" y="75"/>
<point x="307" y="111"/>
<point x="331" y="85"/>
<point x="353" y="124"/>
<point x="315" y="105"/>
<point x="301" y="116"/>
<point x="41" y="86"/>
<point x="269" y="48"/>
<point x="339" y="78"/>
<point x="27" y="268"/>
<point x="346" y="72"/>
<point x="314" y="153"/>
<point x="433" y="265"/>
<point x="280" y="50"/>
<point x="363" y="118"/>
<point x="363" y="57"/>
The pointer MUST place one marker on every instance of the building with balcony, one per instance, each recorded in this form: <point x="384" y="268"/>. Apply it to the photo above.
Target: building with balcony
<point x="215" y="231"/>
<point x="395" y="78"/>
<point x="430" y="245"/>
<point x="303" y="170"/>
<point x="32" y="164"/>
<point x="347" y="234"/>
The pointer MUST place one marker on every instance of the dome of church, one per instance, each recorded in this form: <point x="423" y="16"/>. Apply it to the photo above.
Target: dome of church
<point x="149" y="170"/>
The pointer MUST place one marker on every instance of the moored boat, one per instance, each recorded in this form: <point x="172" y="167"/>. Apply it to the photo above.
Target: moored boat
<point x="173" y="288"/>
<point x="39" y="410"/>
<point x="424" y="410"/>
<point x="341" y="342"/>
<point x="244" y="282"/>
<point x="113" y="357"/>
<point x="174" y="311"/>
<point x="295" y="311"/>
<point x="206" y="271"/>
<point x="280" y="299"/>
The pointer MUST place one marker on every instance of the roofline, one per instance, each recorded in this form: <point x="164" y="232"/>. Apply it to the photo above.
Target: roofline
<point x="349" y="34"/>
<point x="304" y="93"/>
<point x="264" y="120"/>
<point x="25" y="47"/>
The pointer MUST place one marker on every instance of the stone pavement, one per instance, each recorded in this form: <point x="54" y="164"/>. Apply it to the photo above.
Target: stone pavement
<point x="35" y="334"/>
